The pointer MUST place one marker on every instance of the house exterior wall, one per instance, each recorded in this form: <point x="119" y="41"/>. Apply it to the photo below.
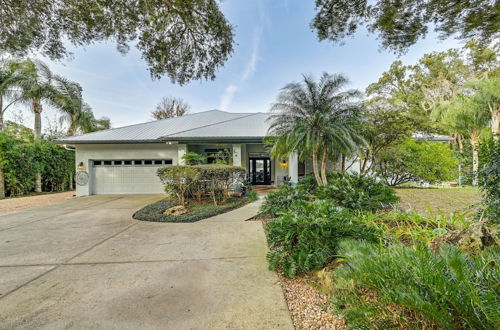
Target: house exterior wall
<point x="88" y="152"/>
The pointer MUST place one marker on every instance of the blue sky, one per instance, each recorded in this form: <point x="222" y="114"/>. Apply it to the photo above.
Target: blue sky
<point x="274" y="46"/>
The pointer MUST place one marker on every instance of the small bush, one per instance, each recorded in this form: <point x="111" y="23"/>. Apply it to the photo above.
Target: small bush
<point x="306" y="237"/>
<point x="278" y="201"/>
<point x="414" y="288"/>
<point x="192" y="158"/>
<point x="154" y="212"/>
<point x="216" y="181"/>
<point x="357" y="192"/>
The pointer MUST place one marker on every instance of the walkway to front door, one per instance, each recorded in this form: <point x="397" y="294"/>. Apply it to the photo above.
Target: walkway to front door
<point x="260" y="171"/>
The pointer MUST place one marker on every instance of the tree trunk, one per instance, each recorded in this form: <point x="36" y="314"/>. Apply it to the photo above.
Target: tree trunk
<point x="323" y="168"/>
<point x="1" y="114"/>
<point x="2" y="183"/>
<point x="461" y="152"/>
<point x="37" y="109"/>
<point x="315" y="167"/>
<point x="495" y="119"/>
<point x="343" y="163"/>
<point x="474" y="141"/>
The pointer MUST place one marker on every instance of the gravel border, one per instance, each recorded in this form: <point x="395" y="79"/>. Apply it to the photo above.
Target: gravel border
<point x="309" y="308"/>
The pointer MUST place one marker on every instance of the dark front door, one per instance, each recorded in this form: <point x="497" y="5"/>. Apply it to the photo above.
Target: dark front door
<point x="260" y="171"/>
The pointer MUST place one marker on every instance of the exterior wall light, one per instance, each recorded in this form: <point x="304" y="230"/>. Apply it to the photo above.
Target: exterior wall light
<point x="81" y="166"/>
<point x="283" y="164"/>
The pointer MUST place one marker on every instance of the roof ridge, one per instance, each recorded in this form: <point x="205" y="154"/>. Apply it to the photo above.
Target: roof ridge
<point x="147" y="122"/>
<point x="208" y="125"/>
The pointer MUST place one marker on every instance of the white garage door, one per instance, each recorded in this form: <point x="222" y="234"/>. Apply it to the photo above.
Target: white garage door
<point x="128" y="176"/>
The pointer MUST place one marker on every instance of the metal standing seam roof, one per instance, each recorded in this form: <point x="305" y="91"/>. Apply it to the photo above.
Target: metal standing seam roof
<point x="207" y="124"/>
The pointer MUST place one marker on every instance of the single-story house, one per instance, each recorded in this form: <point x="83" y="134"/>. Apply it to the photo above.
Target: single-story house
<point x="124" y="160"/>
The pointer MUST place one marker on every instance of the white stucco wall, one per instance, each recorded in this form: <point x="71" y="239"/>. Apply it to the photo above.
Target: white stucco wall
<point x="86" y="153"/>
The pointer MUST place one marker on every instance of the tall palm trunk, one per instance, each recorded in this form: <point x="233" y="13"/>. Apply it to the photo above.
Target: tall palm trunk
<point x="324" y="161"/>
<point x="37" y="110"/>
<point x="343" y="163"/>
<point x="315" y="167"/>
<point x="474" y="141"/>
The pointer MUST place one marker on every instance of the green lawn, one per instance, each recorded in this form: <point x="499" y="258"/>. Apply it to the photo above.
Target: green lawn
<point x="445" y="199"/>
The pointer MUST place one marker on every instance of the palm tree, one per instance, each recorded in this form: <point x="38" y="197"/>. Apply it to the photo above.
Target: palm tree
<point x="466" y="118"/>
<point x="76" y="113"/>
<point x="316" y="119"/>
<point x="36" y="88"/>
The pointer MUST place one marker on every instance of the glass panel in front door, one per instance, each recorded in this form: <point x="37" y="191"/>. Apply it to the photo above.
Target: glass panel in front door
<point x="259" y="171"/>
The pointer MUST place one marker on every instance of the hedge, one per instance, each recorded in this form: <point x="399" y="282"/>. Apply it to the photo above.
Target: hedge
<point x="21" y="159"/>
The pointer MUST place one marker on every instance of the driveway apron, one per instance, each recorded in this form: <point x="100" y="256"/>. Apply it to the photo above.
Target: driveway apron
<point x="86" y="264"/>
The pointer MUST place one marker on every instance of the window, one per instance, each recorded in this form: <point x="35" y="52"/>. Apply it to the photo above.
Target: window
<point x="136" y="162"/>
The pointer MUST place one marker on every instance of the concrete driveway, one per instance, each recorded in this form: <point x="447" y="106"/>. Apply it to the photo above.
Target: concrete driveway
<point x="85" y="263"/>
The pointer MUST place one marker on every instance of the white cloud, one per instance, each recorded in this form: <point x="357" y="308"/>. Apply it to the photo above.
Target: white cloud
<point x="252" y="62"/>
<point x="227" y="98"/>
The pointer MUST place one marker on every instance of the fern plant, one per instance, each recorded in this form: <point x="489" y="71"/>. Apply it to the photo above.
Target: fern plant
<point x="403" y="287"/>
<point x="306" y="237"/>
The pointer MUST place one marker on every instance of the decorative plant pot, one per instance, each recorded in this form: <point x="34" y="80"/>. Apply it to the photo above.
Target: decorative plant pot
<point x="453" y="185"/>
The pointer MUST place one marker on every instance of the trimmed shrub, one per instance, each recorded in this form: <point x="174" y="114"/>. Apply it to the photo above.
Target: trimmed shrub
<point x="278" y="201"/>
<point x="357" y="192"/>
<point x="306" y="237"/>
<point x="154" y="212"/>
<point x="414" y="288"/>
<point x="186" y="182"/>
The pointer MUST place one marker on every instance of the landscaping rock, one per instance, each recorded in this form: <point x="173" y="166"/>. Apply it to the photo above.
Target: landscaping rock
<point x="310" y="309"/>
<point x="176" y="210"/>
<point x="472" y="239"/>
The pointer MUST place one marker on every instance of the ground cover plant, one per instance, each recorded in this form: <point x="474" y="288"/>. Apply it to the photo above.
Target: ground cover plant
<point x="196" y="211"/>
<point x="413" y="287"/>
<point x="435" y="200"/>
<point x="411" y="227"/>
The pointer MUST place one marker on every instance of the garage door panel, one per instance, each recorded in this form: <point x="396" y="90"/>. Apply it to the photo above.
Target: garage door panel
<point x="126" y="180"/>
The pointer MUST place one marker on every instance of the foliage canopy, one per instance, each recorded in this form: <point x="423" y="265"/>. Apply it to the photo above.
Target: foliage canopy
<point x="184" y="39"/>
<point x="399" y="24"/>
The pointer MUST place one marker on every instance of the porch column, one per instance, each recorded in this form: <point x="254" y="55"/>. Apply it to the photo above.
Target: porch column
<point x="237" y="154"/>
<point x="293" y="167"/>
<point x="181" y="151"/>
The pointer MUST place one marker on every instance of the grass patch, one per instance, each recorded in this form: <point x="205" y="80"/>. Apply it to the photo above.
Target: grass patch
<point x="439" y="200"/>
<point x="154" y="212"/>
